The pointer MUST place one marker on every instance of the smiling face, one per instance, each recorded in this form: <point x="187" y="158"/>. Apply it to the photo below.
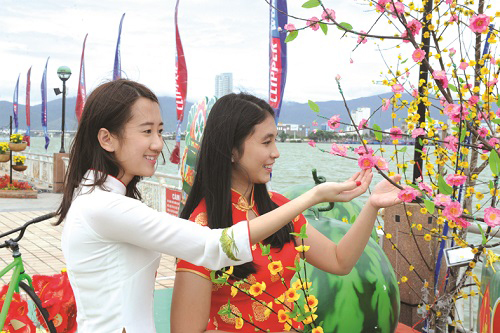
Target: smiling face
<point x="255" y="164"/>
<point x="141" y="142"/>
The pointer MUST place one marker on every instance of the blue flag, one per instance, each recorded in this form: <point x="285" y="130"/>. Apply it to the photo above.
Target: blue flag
<point x="15" y="106"/>
<point x="44" y="105"/>
<point x="117" y="69"/>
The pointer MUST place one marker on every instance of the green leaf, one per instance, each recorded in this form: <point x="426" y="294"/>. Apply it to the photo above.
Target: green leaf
<point x="291" y="36"/>
<point x="313" y="106"/>
<point x="403" y="150"/>
<point x="429" y="205"/>
<point x="311" y="4"/>
<point x="353" y="218"/>
<point x="491" y="185"/>
<point x="498" y="102"/>
<point x="494" y="162"/>
<point x="323" y="27"/>
<point x="443" y="187"/>
<point x="402" y="62"/>
<point x="266" y="249"/>
<point x="345" y="25"/>
<point x="378" y="135"/>
<point x="461" y="80"/>
<point x="452" y="87"/>
<point x="495" y="121"/>
<point x="482" y="233"/>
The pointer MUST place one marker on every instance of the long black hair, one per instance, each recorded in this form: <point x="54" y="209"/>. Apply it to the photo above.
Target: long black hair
<point x="108" y="106"/>
<point x="232" y="119"/>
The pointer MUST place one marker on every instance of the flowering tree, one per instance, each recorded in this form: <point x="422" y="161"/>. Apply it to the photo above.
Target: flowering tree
<point x="447" y="66"/>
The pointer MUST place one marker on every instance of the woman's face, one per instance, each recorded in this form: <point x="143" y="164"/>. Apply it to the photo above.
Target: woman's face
<point x="259" y="154"/>
<point x="141" y="143"/>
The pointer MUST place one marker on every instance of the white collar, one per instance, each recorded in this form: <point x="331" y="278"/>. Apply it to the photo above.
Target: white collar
<point x="111" y="184"/>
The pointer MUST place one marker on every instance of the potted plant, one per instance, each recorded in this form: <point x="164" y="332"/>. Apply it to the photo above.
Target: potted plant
<point x="19" y="163"/>
<point x="16" y="142"/>
<point x="4" y="152"/>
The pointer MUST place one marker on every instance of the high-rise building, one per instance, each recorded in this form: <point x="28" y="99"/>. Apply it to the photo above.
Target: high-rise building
<point x="357" y="116"/>
<point x="223" y="84"/>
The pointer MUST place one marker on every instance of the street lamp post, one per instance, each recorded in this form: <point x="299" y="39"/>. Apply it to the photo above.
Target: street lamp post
<point x="64" y="73"/>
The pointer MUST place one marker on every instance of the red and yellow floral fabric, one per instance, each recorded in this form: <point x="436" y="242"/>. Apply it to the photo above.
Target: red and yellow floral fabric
<point x="242" y="303"/>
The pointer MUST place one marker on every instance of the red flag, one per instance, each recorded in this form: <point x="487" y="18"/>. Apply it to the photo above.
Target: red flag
<point x="28" y="121"/>
<point x="180" y="89"/>
<point x="80" y="98"/>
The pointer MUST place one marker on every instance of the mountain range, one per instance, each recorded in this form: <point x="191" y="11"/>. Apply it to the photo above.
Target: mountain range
<point x="291" y="113"/>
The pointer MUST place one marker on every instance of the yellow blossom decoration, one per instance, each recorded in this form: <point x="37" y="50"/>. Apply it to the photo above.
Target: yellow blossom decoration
<point x="302" y="248"/>
<point x="275" y="267"/>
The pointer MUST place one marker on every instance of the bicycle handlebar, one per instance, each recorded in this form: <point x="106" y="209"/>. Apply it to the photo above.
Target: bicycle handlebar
<point x="22" y="229"/>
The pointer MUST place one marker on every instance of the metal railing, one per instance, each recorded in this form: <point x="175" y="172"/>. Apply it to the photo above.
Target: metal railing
<point x="40" y="168"/>
<point x="154" y="193"/>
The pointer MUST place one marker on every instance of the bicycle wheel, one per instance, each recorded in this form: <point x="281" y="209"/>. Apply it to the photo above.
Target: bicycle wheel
<point x="38" y="315"/>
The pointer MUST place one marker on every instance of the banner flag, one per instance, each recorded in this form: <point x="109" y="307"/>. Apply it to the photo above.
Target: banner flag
<point x="277" y="54"/>
<point x="28" y="105"/>
<point x="117" y="69"/>
<point x="15" y="105"/>
<point x="82" y="93"/>
<point x="180" y="89"/>
<point x="44" y="105"/>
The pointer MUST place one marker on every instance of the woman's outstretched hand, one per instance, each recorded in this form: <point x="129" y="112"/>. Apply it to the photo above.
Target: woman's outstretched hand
<point x="385" y="194"/>
<point x="346" y="191"/>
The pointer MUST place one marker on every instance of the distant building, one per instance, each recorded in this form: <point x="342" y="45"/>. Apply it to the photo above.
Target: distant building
<point x="357" y="116"/>
<point x="293" y="130"/>
<point x="223" y="84"/>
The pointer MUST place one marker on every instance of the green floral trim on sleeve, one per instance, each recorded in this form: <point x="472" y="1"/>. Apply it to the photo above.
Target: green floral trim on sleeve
<point x="228" y="244"/>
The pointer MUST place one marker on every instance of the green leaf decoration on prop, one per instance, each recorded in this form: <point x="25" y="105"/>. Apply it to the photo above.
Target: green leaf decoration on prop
<point x="311" y="4"/>
<point x="494" y="162"/>
<point x="266" y="249"/>
<point x="378" y="135"/>
<point x="228" y="244"/>
<point x="443" y="187"/>
<point x="429" y="205"/>
<point x="491" y="185"/>
<point x="291" y="36"/>
<point x="452" y="87"/>
<point x="226" y="310"/>
<point x="313" y="106"/>
<point x="345" y="25"/>
<point x="323" y="27"/>
<point x="302" y="233"/>
<point x="482" y="233"/>
<point x="402" y="62"/>
<point x="495" y="121"/>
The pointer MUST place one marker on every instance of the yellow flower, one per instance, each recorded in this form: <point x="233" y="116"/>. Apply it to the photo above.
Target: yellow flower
<point x="292" y="295"/>
<point x="238" y="323"/>
<point x="310" y="319"/>
<point x="404" y="279"/>
<point x="411" y="268"/>
<point x="388" y="236"/>
<point x="423" y="210"/>
<point x="302" y="248"/>
<point x="268" y="309"/>
<point x="419" y="227"/>
<point x="282" y="316"/>
<point x="317" y="329"/>
<point x="257" y="288"/>
<point x="275" y="267"/>
<point x="427" y="237"/>
<point x="479" y="196"/>
<point x="229" y="271"/>
<point x="312" y="301"/>
<point x="472" y="264"/>
<point x="234" y="291"/>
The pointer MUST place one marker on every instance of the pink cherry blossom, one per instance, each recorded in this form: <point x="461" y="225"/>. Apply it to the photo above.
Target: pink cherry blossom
<point x="289" y="27"/>
<point x="456" y="115"/>
<point x="339" y="150"/>
<point x="455" y="180"/>
<point x="366" y="162"/>
<point x="381" y="163"/>
<point x="361" y="150"/>
<point x="418" y="55"/>
<point x="313" y="23"/>
<point x="492" y="216"/>
<point x="453" y="18"/>
<point x="408" y="194"/>
<point x="451" y="143"/>
<point x="441" y="76"/>
<point x="397" y="88"/>
<point x="414" y="93"/>
<point x="453" y="210"/>
<point x="338" y="77"/>
<point x="482" y="131"/>
<point x="462" y="222"/>
<point x="312" y="143"/>
<point x="479" y="23"/>
<point x="328" y="12"/>
<point x="425" y="188"/>
<point x="362" y="39"/>
<point x="404" y="35"/>
<point x="493" y="142"/>
<point x="414" y="26"/>
<point x="386" y="102"/>
<point x="334" y="122"/>
<point x="474" y="99"/>
<point x="452" y="52"/>
<point x="463" y="65"/>
<point x="381" y="5"/>
<point x="396" y="133"/>
<point x="417" y="132"/>
<point x="498" y="113"/>
<point x="492" y="82"/>
<point x="442" y="200"/>
<point x="400" y="8"/>
<point x="315" y="123"/>
<point x="362" y="123"/>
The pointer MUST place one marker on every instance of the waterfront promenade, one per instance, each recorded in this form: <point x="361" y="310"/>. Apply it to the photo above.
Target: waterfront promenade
<point x="41" y="244"/>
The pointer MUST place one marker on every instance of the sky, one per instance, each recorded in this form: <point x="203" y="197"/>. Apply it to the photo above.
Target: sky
<point x="218" y="36"/>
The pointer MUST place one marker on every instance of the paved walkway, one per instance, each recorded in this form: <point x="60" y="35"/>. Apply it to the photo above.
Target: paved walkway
<point x="41" y="244"/>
